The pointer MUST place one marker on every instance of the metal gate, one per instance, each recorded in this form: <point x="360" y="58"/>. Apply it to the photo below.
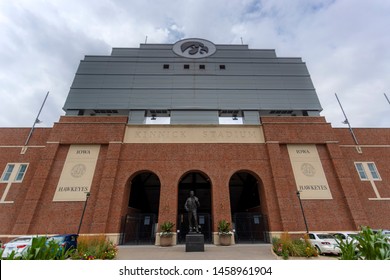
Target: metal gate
<point x="204" y="222"/>
<point x="139" y="229"/>
<point x="250" y="228"/>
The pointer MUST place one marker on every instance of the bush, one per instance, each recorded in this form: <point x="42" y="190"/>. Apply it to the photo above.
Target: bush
<point x="371" y="246"/>
<point x="224" y="227"/>
<point x="94" y="247"/>
<point x="348" y="249"/>
<point x="166" y="228"/>
<point x="40" y="250"/>
<point x="287" y="247"/>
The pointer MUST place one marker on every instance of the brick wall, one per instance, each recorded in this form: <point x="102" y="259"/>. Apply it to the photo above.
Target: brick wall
<point x="33" y="210"/>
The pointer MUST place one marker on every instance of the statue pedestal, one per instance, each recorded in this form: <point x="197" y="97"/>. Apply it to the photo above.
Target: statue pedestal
<point x="194" y="242"/>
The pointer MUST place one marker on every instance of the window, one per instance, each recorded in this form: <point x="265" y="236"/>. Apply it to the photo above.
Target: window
<point x="7" y="172"/>
<point x="157" y="117"/>
<point x="186" y="66"/>
<point x="14" y="172"/>
<point x="202" y="67"/>
<point x="106" y="111"/>
<point x="222" y="67"/>
<point x="360" y="170"/>
<point x="230" y="117"/>
<point x="374" y="172"/>
<point x="21" y="172"/>
<point x="166" y="66"/>
<point x="367" y="171"/>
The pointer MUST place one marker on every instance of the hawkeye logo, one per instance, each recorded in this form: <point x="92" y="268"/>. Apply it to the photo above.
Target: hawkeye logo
<point x="194" y="48"/>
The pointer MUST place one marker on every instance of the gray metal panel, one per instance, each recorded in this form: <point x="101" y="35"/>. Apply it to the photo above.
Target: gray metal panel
<point x="195" y="99"/>
<point x="136" y="117"/>
<point x="124" y="52"/>
<point x="96" y="67"/>
<point x="135" y="79"/>
<point x="313" y="113"/>
<point x="251" y="117"/>
<point x="194" y="117"/>
<point x="72" y="112"/>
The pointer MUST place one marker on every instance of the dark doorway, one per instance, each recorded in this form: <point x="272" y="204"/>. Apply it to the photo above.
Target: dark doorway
<point x="250" y="224"/>
<point x="139" y="224"/>
<point x="200" y="184"/>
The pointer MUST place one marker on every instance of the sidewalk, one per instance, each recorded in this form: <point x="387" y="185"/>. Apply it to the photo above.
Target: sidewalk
<point x="212" y="252"/>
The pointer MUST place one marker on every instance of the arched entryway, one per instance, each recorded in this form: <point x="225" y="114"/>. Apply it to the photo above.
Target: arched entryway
<point x="249" y="221"/>
<point x="139" y="223"/>
<point x="199" y="183"/>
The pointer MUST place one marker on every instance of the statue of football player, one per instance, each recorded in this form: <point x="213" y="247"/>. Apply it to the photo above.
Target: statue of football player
<point x="191" y="206"/>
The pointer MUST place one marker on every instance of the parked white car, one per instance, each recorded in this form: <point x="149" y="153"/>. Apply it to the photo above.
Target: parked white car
<point x="19" y="245"/>
<point x="349" y="236"/>
<point x="324" y="243"/>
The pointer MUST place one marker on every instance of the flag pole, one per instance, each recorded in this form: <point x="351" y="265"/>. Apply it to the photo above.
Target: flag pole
<point x="386" y="97"/>
<point x="36" y="120"/>
<point x="346" y="121"/>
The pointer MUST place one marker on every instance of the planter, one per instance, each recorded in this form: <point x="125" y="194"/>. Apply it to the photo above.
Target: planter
<point x="225" y="239"/>
<point x="166" y="240"/>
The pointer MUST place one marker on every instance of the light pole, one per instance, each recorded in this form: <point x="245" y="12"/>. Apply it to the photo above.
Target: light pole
<point x="303" y="213"/>
<point x="82" y="215"/>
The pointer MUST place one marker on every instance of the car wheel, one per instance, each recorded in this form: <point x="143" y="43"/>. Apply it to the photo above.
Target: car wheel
<point x="318" y="250"/>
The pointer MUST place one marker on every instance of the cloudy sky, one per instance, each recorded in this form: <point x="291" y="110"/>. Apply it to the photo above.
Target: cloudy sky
<point x="345" y="44"/>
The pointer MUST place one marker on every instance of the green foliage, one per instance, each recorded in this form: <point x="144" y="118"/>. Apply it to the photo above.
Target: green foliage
<point x="287" y="247"/>
<point x="224" y="227"/>
<point x="167" y="226"/>
<point x="370" y="246"/>
<point x="39" y="250"/>
<point x="348" y="249"/>
<point x="94" y="247"/>
<point x="12" y="256"/>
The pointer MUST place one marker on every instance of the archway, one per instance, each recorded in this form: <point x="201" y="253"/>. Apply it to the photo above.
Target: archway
<point x="139" y="225"/>
<point x="199" y="183"/>
<point x="249" y="221"/>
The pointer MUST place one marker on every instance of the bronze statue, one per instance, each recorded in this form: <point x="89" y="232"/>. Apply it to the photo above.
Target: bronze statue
<point x="191" y="205"/>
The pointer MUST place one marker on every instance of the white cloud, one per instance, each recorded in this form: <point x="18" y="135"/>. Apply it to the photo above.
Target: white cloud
<point x="344" y="44"/>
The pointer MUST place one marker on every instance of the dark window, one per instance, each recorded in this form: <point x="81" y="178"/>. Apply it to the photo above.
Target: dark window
<point x="373" y="170"/>
<point x="202" y="67"/>
<point x="21" y="172"/>
<point x="361" y="171"/>
<point x="7" y="172"/>
<point x="166" y="66"/>
<point x="222" y="67"/>
<point x="106" y="111"/>
<point x="186" y="66"/>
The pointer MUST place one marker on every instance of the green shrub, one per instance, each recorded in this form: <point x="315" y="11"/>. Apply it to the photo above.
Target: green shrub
<point x="94" y="247"/>
<point x="39" y="250"/>
<point x="224" y="228"/>
<point x="166" y="229"/>
<point x="348" y="249"/>
<point x="370" y="246"/>
<point x="287" y="247"/>
<point x="11" y="256"/>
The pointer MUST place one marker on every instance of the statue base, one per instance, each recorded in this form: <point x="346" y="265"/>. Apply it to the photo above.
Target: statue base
<point x="194" y="242"/>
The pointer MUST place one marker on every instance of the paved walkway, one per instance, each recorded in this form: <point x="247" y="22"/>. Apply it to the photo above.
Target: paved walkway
<point x="212" y="252"/>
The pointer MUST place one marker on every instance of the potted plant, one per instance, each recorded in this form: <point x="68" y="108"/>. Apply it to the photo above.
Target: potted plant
<point x="166" y="234"/>
<point x="225" y="233"/>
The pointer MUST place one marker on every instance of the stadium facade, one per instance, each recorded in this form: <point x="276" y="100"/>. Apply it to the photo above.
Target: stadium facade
<point x="239" y="126"/>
